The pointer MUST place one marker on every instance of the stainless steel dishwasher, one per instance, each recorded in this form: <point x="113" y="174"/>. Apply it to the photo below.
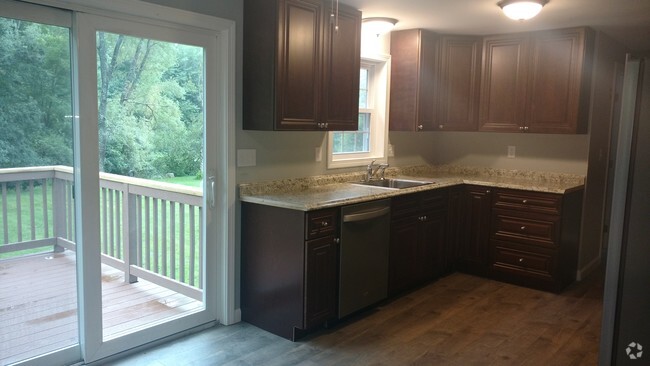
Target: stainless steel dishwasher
<point x="363" y="276"/>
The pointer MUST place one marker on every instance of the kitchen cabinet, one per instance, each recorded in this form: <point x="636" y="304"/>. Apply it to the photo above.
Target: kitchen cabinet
<point x="459" y="77"/>
<point x="289" y="273"/>
<point x="536" y="82"/>
<point x="534" y="238"/>
<point x="475" y="230"/>
<point x="417" y="240"/>
<point x="434" y="81"/>
<point x="414" y="67"/>
<point x="455" y="214"/>
<point x="301" y="71"/>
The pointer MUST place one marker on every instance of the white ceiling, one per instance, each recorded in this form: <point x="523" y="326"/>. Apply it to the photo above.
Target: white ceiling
<point x="627" y="21"/>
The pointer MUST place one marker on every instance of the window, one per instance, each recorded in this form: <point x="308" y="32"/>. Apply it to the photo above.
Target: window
<point x="368" y="143"/>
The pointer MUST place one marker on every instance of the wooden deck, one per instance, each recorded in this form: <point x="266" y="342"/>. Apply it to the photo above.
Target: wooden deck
<point x="38" y="304"/>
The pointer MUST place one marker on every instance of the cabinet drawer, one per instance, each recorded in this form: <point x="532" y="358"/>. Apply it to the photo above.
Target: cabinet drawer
<point x="414" y="203"/>
<point x="533" y="263"/>
<point x="541" y="230"/>
<point x="321" y="223"/>
<point x="547" y="203"/>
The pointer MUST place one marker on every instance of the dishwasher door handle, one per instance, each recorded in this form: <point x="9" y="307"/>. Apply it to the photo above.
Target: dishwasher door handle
<point x="366" y="215"/>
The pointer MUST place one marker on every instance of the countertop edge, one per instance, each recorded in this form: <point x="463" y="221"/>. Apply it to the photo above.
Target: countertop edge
<point x="310" y="202"/>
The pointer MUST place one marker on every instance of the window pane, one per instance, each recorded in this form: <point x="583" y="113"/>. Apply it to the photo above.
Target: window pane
<point x="150" y="127"/>
<point x="38" y="292"/>
<point x="363" y="88"/>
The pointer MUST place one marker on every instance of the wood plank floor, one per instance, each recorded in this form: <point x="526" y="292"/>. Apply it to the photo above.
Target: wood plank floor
<point x="38" y="304"/>
<point x="458" y="320"/>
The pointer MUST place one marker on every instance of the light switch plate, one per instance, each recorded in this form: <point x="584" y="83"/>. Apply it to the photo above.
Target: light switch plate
<point x="512" y="152"/>
<point x="246" y="157"/>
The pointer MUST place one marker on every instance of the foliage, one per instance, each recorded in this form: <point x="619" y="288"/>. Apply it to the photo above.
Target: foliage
<point x="150" y="99"/>
<point x="35" y="95"/>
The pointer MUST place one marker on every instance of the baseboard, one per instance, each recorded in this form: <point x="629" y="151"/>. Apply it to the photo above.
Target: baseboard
<point x="237" y="318"/>
<point x="585" y="271"/>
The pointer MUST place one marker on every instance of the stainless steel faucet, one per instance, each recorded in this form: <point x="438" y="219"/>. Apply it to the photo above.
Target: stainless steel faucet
<point x="373" y="169"/>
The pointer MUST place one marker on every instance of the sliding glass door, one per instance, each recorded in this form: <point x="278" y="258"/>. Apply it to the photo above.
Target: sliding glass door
<point x="144" y="120"/>
<point x="108" y="180"/>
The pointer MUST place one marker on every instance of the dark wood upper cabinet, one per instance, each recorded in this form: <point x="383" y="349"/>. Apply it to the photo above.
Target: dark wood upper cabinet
<point x="414" y="64"/>
<point x="341" y="71"/>
<point x="459" y="76"/>
<point x="536" y="82"/>
<point x="434" y="81"/>
<point x="300" y="73"/>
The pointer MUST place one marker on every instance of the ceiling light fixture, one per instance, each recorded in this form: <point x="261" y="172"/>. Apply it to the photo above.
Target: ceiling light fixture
<point x="521" y="9"/>
<point x="378" y="25"/>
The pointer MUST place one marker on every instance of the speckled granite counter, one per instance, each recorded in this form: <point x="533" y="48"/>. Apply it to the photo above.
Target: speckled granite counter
<point x="311" y="193"/>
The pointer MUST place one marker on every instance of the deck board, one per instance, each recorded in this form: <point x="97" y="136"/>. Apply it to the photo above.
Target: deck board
<point x="38" y="304"/>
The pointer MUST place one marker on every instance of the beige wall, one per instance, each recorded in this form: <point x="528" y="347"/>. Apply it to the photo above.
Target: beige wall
<point x="550" y="153"/>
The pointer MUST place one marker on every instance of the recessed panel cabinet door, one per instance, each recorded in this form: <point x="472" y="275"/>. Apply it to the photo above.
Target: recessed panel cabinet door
<point x="299" y="64"/>
<point x="503" y="86"/>
<point x="341" y="70"/>
<point x="460" y="64"/>
<point x="555" y="81"/>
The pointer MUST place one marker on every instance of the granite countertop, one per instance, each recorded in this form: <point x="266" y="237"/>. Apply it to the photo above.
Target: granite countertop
<point x="312" y="193"/>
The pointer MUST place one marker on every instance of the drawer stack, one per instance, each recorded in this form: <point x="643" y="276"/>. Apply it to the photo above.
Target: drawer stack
<point x="533" y="240"/>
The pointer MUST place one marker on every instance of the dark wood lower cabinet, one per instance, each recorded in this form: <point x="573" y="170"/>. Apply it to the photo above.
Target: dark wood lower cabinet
<point x="417" y="244"/>
<point x="534" y="238"/>
<point x="290" y="258"/>
<point x="321" y="278"/>
<point x="289" y="268"/>
<point x="474" y="238"/>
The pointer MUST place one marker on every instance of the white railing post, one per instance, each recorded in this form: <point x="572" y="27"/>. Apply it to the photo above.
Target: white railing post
<point x="59" y="211"/>
<point x="129" y="233"/>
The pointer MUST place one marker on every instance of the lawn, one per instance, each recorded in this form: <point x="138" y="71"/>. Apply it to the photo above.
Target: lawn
<point x="189" y="180"/>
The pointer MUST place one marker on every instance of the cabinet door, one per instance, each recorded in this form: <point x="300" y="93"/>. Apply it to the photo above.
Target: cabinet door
<point x="476" y="227"/>
<point x="459" y="83"/>
<point x="431" y="259"/>
<point x="503" y="83"/>
<point x="341" y="69"/>
<point x="403" y="271"/>
<point x="555" y="82"/>
<point x="298" y="75"/>
<point x="321" y="260"/>
<point x="414" y="63"/>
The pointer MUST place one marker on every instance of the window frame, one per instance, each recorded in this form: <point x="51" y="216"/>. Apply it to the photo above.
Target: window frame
<point x="378" y="67"/>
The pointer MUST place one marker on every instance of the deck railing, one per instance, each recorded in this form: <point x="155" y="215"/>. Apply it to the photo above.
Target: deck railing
<point x="148" y="229"/>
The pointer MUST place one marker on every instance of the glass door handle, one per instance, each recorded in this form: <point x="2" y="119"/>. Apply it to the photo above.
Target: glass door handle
<point x="210" y="191"/>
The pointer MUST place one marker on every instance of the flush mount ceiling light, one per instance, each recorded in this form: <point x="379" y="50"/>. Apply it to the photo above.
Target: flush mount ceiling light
<point x="378" y="25"/>
<point x="521" y="9"/>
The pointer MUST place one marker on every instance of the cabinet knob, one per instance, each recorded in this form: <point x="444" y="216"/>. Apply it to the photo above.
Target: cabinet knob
<point x="526" y="128"/>
<point x="420" y="127"/>
<point x="424" y="218"/>
<point x="441" y="126"/>
<point x="521" y="260"/>
<point x="521" y="128"/>
<point x="326" y="125"/>
<point x="524" y="202"/>
<point x="337" y="240"/>
<point x="324" y="224"/>
<point x="487" y="191"/>
<point x="523" y="228"/>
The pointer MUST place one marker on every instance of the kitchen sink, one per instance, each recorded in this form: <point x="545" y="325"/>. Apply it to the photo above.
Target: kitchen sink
<point x="394" y="183"/>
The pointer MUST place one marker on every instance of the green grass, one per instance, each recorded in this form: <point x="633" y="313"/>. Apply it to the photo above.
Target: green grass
<point x="38" y="224"/>
<point x="186" y="181"/>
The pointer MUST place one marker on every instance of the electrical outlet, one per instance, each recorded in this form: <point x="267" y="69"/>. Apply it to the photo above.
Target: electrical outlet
<point x="391" y="151"/>
<point x="511" y="152"/>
